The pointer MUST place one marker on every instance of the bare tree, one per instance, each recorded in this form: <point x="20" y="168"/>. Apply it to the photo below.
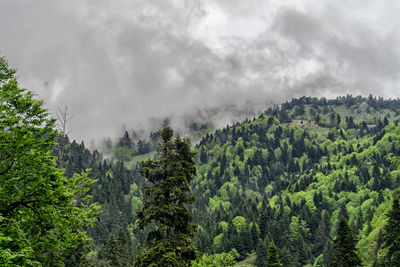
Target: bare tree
<point x="62" y="125"/>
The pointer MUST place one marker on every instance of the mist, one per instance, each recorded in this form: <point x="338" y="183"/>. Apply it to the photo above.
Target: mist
<point x="134" y="63"/>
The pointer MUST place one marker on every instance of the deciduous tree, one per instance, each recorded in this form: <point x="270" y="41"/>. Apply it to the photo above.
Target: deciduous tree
<point x="41" y="211"/>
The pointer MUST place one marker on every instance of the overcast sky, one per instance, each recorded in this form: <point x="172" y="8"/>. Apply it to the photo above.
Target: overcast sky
<point x="123" y="62"/>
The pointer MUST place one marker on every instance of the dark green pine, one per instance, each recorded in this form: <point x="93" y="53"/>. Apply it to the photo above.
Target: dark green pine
<point x="169" y="243"/>
<point x="273" y="256"/>
<point x="261" y="252"/>
<point x="391" y="235"/>
<point x="345" y="252"/>
<point x="116" y="252"/>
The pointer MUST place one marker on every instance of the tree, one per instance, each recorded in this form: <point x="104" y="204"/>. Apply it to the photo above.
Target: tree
<point x="125" y="141"/>
<point x="143" y="147"/>
<point x="273" y="256"/>
<point x="116" y="252"/>
<point x="41" y="211"/>
<point x="391" y="238"/>
<point x="345" y="252"/>
<point x="63" y="119"/>
<point x="169" y="243"/>
<point x="216" y="260"/>
<point x="261" y="252"/>
<point x="203" y="156"/>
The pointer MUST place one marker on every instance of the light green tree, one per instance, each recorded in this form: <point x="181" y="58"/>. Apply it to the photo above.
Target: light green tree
<point x="216" y="260"/>
<point x="41" y="211"/>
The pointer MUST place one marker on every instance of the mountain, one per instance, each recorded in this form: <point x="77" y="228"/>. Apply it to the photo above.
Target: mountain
<point x="291" y="174"/>
<point x="287" y="176"/>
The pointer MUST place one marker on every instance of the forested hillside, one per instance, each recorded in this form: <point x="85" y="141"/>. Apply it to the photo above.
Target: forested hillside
<point x="117" y="191"/>
<point x="313" y="182"/>
<point x="288" y="175"/>
<point x="199" y="133"/>
<point x="263" y="180"/>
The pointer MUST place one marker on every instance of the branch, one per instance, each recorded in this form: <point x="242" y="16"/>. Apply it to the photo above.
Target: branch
<point x="7" y="169"/>
<point x="63" y="118"/>
<point x="15" y="205"/>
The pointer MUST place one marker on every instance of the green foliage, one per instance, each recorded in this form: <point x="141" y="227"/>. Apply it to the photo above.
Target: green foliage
<point x="116" y="252"/>
<point x="42" y="213"/>
<point x="261" y="252"/>
<point x="136" y="204"/>
<point x="215" y="260"/>
<point x="273" y="256"/>
<point x="296" y="180"/>
<point x="217" y="242"/>
<point x="169" y="244"/>
<point x="345" y="252"/>
<point x="6" y="73"/>
<point x="391" y="237"/>
<point x="240" y="223"/>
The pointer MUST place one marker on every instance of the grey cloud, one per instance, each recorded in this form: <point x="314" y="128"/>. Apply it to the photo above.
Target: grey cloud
<point x="134" y="63"/>
<point x="350" y="53"/>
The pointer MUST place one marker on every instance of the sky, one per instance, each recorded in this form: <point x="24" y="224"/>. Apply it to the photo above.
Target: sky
<point x="131" y="63"/>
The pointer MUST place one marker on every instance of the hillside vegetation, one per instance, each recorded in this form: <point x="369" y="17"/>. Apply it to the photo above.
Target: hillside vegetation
<point x="273" y="179"/>
<point x="267" y="179"/>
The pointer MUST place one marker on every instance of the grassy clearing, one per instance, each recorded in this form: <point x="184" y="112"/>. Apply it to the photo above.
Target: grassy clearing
<point x="137" y="159"/>
<point x="248" y="262"/>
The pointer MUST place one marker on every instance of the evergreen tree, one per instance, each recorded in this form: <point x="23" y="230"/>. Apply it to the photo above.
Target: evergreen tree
<point x="328" y="257"/>
<point x="345" y="252"/>
<point x="391" y="237"/>
<point x="254" y="235"/>
<point x="261" y="253"/>
<point x="116" y="252"/>
<point x="169" y="243"/>
<point x="125" y="140"/>
<point x="203" y="156"/>
<point x="273" y="256"/>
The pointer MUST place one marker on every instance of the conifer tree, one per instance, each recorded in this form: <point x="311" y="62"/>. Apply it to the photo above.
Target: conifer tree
<point x="116" y="252"/>
<point x="169" y="243"/>
<point x="391" y="237"/>
<point x="345" y="253"/>
<point x="261" y="252"/>
<point x="254" y="235"/>
<point x="273" y="256"/>
<point x="125" y="140"/>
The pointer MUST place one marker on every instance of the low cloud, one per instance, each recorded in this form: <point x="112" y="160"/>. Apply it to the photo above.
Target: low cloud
<point x="131" y="63"/>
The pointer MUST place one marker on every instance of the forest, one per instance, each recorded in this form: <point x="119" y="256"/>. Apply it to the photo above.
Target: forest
<point x="311" y="182"/>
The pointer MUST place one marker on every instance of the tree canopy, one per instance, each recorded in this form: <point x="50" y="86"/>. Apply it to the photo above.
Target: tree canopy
<point x="391" y="235"/>
<point x="345" y="252"/>
<point x="41" y="211"/>
<point x="273" y="256"/>
<point x="169" y="243"/>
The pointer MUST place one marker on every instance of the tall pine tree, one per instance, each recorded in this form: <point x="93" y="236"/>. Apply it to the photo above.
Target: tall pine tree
<point x="345" y="252"/>
<point x="116" y="252"/>
<point x="273" y="256"/>
<point x="261" y="252"/>
<point x="169" y="243"/>
<point x="391" y="235"/>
